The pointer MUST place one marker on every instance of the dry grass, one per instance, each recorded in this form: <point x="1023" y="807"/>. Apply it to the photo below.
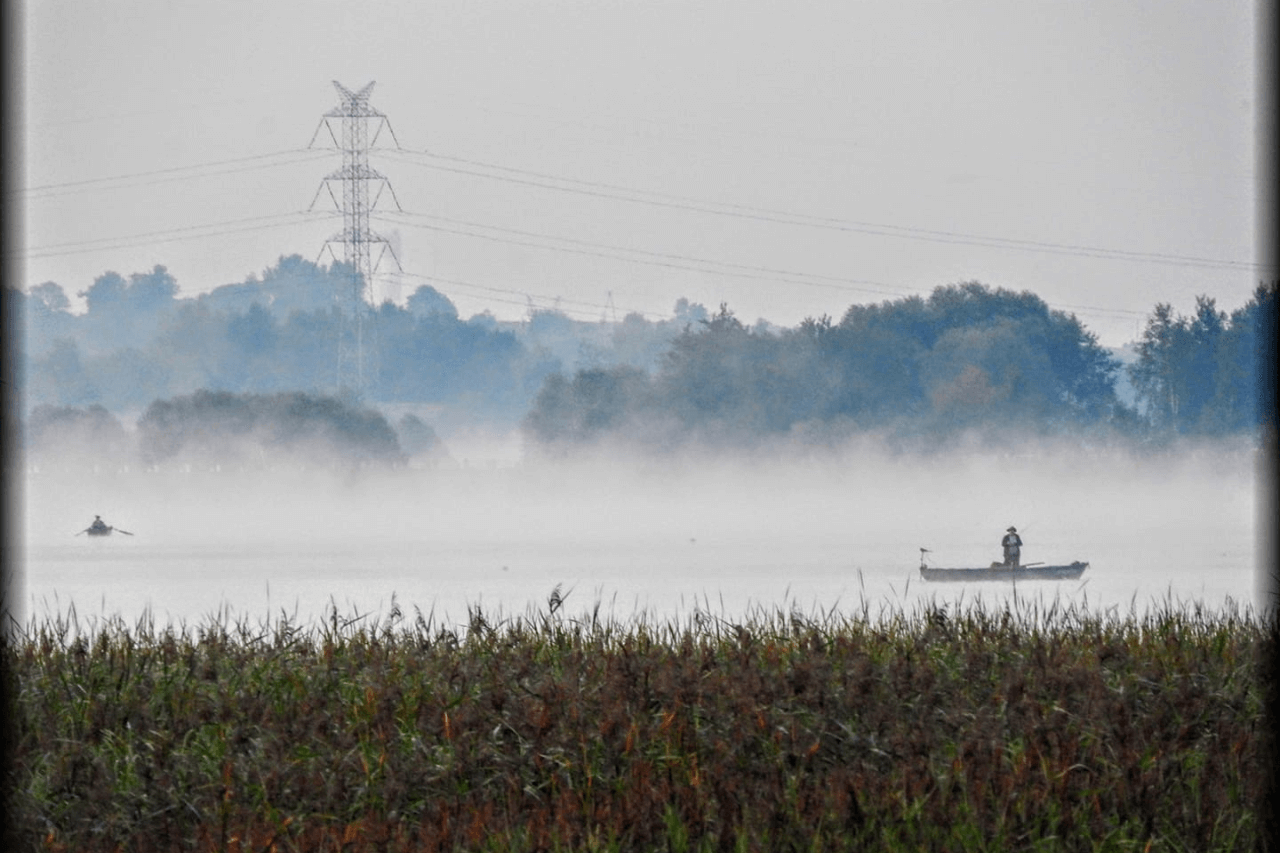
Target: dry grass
<point x="1039" y="729"/>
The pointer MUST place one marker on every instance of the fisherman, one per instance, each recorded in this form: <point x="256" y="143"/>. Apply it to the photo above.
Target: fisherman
<point x="1012" y="545"/>
<point x="98" y="526"/>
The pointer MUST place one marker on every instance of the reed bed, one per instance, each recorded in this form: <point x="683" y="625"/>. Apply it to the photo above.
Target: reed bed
<point x="1023" y="727"/>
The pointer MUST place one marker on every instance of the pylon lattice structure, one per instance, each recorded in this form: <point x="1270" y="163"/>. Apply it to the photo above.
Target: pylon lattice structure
<point x="356" y="181"/>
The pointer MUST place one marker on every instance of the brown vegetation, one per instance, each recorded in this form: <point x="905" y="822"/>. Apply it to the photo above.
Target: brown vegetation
<point x="969" y="730"/>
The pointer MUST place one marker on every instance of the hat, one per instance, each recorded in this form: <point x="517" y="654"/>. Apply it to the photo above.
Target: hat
<point x="1012" y="530"/>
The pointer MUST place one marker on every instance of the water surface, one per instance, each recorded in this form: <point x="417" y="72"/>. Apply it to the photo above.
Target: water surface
<point x="837" y="534"/>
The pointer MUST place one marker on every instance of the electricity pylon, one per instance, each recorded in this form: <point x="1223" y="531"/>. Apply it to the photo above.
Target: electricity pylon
<point x="357" y="357"/>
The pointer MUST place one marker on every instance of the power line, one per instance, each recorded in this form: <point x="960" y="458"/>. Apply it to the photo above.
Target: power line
<point x="1093" y="309"/>
<point x="172" y="234"/>
<point x="638" y="196"/>
<point x="523" y="296"/>
<point x="526" y="295"/>
<point x="666" y="260"/>
<point x="165" y="175"/>
<point x="751" y="272"/>
<point x="523" y="301"/>
<point x="630" y="194"/>
<point x="544" y="180"/>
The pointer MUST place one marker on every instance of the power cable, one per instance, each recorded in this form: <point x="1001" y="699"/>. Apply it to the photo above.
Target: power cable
<point x="650" y="315"/>
<point x="637" y="196"/>
<point x="592" y="188"/>
<point x="665" y="260"/>
<point x="489" y="288"/>
<point x="171" y="235"/>
<point x="766" y="273"/>
<point x="171" y="174"/>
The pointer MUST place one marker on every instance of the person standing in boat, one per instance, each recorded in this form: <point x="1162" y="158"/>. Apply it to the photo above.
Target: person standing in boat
<point x="1012" y="544"/>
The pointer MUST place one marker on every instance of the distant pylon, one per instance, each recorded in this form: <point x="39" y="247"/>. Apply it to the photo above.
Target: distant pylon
<point x="357" y="351"/>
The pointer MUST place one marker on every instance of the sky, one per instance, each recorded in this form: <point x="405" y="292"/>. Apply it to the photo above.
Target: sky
<point x="788" y="160"/>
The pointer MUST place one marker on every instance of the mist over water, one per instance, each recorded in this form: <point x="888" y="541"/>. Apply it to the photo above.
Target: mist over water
<point x="832" y="531"/>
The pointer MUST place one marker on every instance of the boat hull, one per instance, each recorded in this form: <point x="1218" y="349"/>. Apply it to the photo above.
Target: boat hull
<point x="1067" y="572"/>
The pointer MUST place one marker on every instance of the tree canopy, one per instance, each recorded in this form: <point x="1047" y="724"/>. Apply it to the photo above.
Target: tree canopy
<point x="967" y="358"/>
<point x="226" y="427"/>
<point x="1210" y="373"/>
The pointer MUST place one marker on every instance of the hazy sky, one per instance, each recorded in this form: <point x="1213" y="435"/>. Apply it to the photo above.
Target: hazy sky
<point x="789" y="159"/>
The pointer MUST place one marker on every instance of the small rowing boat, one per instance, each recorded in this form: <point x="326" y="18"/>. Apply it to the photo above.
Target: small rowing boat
<point x="101" y="528"/>
<point x="999" y="572"/>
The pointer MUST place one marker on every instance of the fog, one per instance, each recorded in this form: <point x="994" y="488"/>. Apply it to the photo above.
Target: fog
<point x="818" y="532"/>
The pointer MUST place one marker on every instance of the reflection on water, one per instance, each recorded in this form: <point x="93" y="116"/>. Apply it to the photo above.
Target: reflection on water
<point x="815" y="536"/>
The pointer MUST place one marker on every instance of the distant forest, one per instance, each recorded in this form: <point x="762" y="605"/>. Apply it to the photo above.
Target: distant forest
<point x="138" y="341"/>
<point x="967" y="360"/>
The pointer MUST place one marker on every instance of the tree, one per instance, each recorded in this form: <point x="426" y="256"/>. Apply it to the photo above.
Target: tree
<point x="306" y="348"/>
<point x="874" y="358"/>
<point x="702" y="376"/>
<point x="46" y="316"/>
<point x="988" y="374"/>
<point x="59" y="377"/>
<point x="426" y="300"/>
<point x="1198" y="374"/>
<point x="1084" y="372"/>
<point x="129" y="378"/>
<point x="153" y="291"/>
<point x="688" y="313"/>
<point x="1205" y="329"/>
<point x="127" y="313"/>
<point x="594" y="403"/>
<point x="252" y="337"/>
<point x="967" y="358"/>
<point x="56" y="430"/>
<point x="105" y="294"/>
<point x="417" y="437"/>
<point x="50" y="297"/>
<point x="1157" y="375"/>
<point x="1244" y="373"/>
<point x="220" y="426"/>
<point x="194" y="343"/>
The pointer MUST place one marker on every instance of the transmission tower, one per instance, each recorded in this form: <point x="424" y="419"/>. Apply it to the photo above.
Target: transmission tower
<point x="360" y="188"/>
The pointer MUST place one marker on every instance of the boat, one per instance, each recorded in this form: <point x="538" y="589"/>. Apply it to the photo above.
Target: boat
<point x="1001" y="572"/>
<point x="101" y="528"/>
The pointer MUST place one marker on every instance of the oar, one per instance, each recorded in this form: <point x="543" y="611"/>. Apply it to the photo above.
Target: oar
<point x="127" y="533"/>
<point x="82" y="532"/>
<point x="1029" y="565"/>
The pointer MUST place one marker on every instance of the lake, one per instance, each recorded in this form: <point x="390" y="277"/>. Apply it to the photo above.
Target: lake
<point x="828" y="533"/>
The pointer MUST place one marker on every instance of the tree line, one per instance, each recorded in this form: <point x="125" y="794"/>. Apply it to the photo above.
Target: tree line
<point x="965" y="360"/>
<point x="1210" y="373"/>
<point x="139" y="341"/>
<point x="214" y="428"/>
<point x="968" y="361"/>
